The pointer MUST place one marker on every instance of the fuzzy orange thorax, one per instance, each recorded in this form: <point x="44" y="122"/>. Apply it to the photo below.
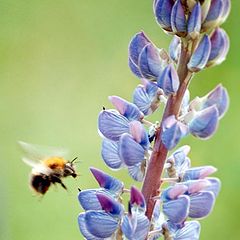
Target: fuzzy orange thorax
<point x="55" y="162"/>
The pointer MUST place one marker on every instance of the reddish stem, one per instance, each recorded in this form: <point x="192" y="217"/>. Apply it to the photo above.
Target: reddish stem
<point x="152" y="181"/>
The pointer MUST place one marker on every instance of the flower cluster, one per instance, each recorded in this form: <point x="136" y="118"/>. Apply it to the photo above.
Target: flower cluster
<point x="105" y="216"/>
<point x="132" y="142"/>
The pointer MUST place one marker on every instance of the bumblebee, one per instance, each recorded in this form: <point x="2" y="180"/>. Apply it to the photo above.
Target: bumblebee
<point x="49" y="166"/>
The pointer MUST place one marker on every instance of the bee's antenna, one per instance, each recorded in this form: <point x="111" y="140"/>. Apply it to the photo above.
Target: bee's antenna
<point x="74" y="160"/>
<point x="79" y="190"/>
<point x="103" y="108"/>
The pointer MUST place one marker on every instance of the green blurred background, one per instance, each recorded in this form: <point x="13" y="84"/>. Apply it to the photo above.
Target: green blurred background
<point x="59" y="60"/>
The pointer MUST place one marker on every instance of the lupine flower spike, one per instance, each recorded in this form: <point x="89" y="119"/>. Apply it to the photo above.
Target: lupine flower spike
<point x="175" y="193"/>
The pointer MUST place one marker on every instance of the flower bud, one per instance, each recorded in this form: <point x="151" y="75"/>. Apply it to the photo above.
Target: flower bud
<point x="152" y="61"/>
<point x="194" y="21"/>
<point x="162" y="10"/>
<point x="168" y="81"/>
<point x="138" y="42"/>
<point x="218" y="97"/>
<point x="226" y="11"/>
<point x="178" y="19"/>
<point x="205" y="123"/>
<point x="214" y="15"/>
<point x="219" y="47"/>
<point x="175" y="48"/>
<point x="185" y="102"/>
<point x="200" y="56"/>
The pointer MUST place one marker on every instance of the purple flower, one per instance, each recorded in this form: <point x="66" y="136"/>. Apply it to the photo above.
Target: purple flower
<point x="178" y="19"/>
<point x="173" y="131"/>
<point x="145" y="59"/>
<point x="168" y="81"/>
<point x="162" y="10"/>
<point x="195" y="21"/>
<point x="201" y="55"/>
<point x="147" y="97"/>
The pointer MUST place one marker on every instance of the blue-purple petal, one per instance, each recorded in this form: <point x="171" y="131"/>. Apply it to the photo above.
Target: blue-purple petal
<point x="198" y="172"/>
<point x="137" y="198"/>
<point x="178" y="19"/>
<point x="137" y="172"/>
<point x="219" y="47"/>
<point x="168" y="81"/>
<point x="125" y="108"/>
<point x="201" y="204"/>
<point x="138" y="42"/>
<point x="173" y="132"/>
<point x="110" y="154"/>
<point x="194" y="21"/>
<point x="214" y="14"/>
<point x="106" y="181"/>
<point x="200" y="56"/>
<point x="190" y="231"/>
<point x="110" y="205"/>
<point x="177" y="210"/>
<point x="100" y="224"/>
<point x="139" y="134"/>
<point x="205" y="123"/>
<point x="175" y="48"/>
<point x="138" y="232"/>
<point x="218" y="97"/>
<point x="84" y="230"/>
<point x="150" y="63"/>
<point x="112" y="124"/>
<point x="134" y="68"/>
<point x="162" y="10"/>
<point x="145" y="97"/>
<point x="215" y="186"/>
<point x="89" y="200"/>
<point x="130" y="151"/>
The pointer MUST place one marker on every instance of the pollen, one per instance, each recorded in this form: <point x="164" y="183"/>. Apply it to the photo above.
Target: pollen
<point x="55" y="162"/>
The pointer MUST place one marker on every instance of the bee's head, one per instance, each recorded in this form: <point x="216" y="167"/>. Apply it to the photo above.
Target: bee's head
<point x="69" y="169"/>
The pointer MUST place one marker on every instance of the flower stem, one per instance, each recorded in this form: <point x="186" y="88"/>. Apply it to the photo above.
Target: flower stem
<point x="152" y="181"/>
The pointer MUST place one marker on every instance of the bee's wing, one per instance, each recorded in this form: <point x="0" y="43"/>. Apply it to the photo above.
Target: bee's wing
<point x="34" y="153"/>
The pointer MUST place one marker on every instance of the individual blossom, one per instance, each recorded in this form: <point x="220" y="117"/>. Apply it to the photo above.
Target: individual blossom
<point x="131" y="151"/>
<point x="145" y="59"/>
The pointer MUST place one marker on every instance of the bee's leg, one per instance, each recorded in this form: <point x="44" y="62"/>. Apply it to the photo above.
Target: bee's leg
<point x="63" y="185"/>
<point x="56" y="179"/>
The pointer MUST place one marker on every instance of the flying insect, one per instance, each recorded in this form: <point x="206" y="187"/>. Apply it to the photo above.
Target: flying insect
<point x="49" y="166"/>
